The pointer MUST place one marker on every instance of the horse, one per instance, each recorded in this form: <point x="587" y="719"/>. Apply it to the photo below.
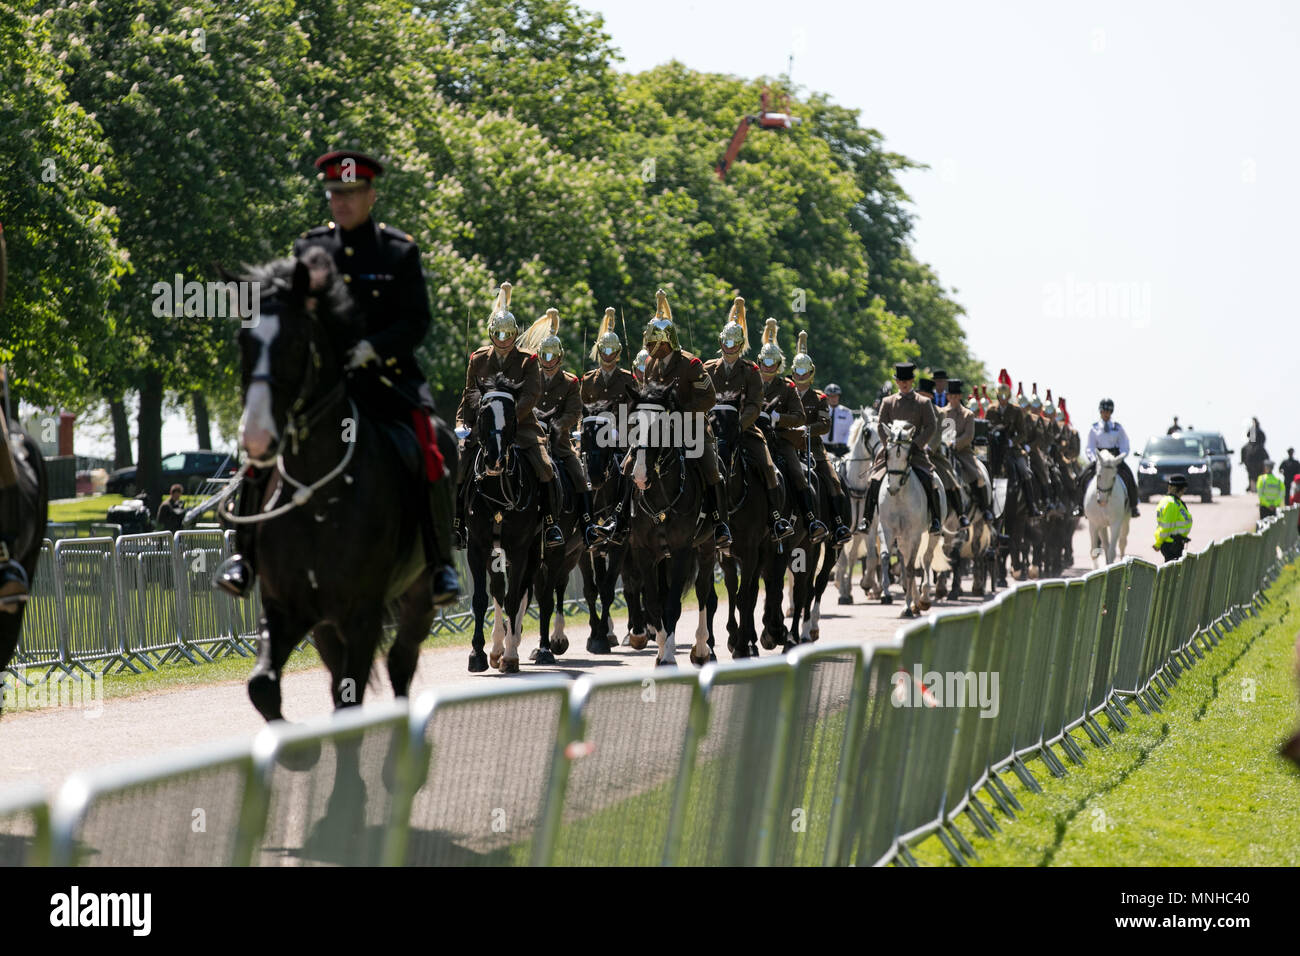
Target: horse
<point x="749" y="526"/>
<point x="1106" y="506"/>
<point x="24" y="508"/>
<point x="1011" y="504"/>
<point x="601" y="566"/>
<point x="504" y="522"/>
<point x="974" y="543"/>
<point x="554" y="568"/>
<point x="822" y="559"/>
<point x="855" y="476"/>
<point x="333" y="541"/>
<point x="670" y="541"/>
<point x="904" y="516"/>
<point x="778" y="557"/>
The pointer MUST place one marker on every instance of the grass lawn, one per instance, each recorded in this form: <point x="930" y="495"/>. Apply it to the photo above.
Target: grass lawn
<point x="85" y="510"/>
<point x="1198" y="784"/>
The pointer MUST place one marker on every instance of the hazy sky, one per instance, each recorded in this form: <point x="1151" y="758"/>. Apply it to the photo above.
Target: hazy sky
<point x="1113" y="188"/>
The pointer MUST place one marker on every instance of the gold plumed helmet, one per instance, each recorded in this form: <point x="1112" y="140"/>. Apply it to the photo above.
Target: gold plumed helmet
<point x="502" y="324"/>
<point x="802" y="367"/>
<point x="641" y="358"/>
<point x="1049" y="407"/>
<point x="542" y="338"/>
<point x="1020" y="395"/>
<point x="1035" y="402"/>
<point x="607" y="343"/>
<point x="660" y="328"/>
<point x="770" y="356"/>
<point x="735" y="334"/>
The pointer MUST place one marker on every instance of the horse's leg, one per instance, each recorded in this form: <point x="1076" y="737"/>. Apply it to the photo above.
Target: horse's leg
<point x="597" y="636"/>
<point x="497" y="588"/>
<point x="705" y="593"/>
<point x="477" y="559"/>
<point x="279" y="634"/>
<point x="745" y="601"/>
<point x="608" y="577"/>
<point x="514" y="604"/>
<point x="731" y="575"/>
<point x="559" y="639"/>
<point x="678" y="572"/>
<point x="414" y="618"/>
<point x="651" y="600"/>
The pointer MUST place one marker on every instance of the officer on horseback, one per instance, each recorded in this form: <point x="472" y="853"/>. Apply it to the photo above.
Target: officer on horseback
<point x="732" y="373"/>
<point x="1111" y="436"/>
<point x="560" y="408"/>
<point x="784" y="411"/>
<point x="609" y="382"/>
<point x="503" y="357"/>
<point x="1012" y="421"/>
<point x="837" y="439"/>
<point x="381" y="267"/>
<point x="963" y="446"/>
<point x="925" y="388"/>
<point x="817" y="414"/>
<point x="904" y="406"/>
<point x="668" y="363"/>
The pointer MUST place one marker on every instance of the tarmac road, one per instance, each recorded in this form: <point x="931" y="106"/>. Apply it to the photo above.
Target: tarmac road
<point x="48" y="745"/>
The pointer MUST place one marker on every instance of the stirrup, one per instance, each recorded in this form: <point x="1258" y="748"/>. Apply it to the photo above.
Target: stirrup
<point x="722" y="535"/>
<point x="842" y="534"/>
<point x="781" y="528"/>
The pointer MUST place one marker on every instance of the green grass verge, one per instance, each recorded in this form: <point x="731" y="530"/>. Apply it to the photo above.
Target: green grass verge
<point x="1197" y="784"/>
<point x="84" y="510"/>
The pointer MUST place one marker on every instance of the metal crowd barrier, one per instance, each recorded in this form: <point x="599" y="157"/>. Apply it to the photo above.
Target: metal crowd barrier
<point x="139" y="601"/>
<point x="832" y="754"/>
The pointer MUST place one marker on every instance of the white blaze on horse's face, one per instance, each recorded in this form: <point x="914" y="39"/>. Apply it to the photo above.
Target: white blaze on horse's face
<point x="898" y="455"/>
<point x="257" y="431"/>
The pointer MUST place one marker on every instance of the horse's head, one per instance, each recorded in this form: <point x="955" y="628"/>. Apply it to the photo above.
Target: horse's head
<point x="654" y="417"/>
<point x="1108" y="463"/>
<point x="898" y="452"/>
<point x="497" y="420"/>
<point x="599" y="441"/>
<point x="291" y="347"/>
<point x="725" y="419"/>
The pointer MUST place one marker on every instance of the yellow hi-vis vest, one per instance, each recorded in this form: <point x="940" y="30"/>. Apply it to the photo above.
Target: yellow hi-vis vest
<point x="1172" y="520"/>
<point x="1271" y="491"/>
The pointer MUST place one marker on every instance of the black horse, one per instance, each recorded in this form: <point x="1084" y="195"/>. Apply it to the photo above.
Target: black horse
<point x="24" y="509"/>
<point x="1015" y="526"/>
<point x="334" y="543"/>
<point x="749" y="523"/>
<point x="602" y="565"/>
<point x="555" y="564"/>
<point x="791" y="555"/>
<point x="670" y="541"/>
<point x="504" y="522"/>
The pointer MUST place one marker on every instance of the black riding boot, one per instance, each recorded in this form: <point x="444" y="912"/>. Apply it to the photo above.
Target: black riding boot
<point x="986" y="501"/>
<point x="932" y="499"/>
<point x="614" y="529"/>
<point x="590" y="530"/>
<point x="954" y="503"/>
<point x="552" y="536"/>
<point x="817" y="529"/>
<point x="869" y="506"/>
<point x="840" y="505"/>
<point x="442" y="570"/>
<point x="716" y="503"/>
<point x="235" y="574"/>
<point x="1126" y="475"/>
<point x="781" y="528"/>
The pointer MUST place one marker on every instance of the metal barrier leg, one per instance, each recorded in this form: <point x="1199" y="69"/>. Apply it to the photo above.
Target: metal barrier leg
<point x="1054" y="765"/>
<point x="981" y="818"/>
<point x="948" y="845"/>
<point x="1112" y="711"/>
<point x="994" y="787"/>
<point x="1072" y="749"/>
<point x="1025" y="776"/>
<point x="1096" y="731"/>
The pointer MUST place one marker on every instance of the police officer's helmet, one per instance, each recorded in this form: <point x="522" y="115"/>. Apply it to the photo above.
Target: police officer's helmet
<point x="1107" y="405"/>
<point x="833" y="389"/>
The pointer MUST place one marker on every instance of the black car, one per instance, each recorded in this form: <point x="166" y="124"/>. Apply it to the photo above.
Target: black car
<point x="1220" y="458"/>
<point x="1167" y="455"/>
<point x="189" y="469"/>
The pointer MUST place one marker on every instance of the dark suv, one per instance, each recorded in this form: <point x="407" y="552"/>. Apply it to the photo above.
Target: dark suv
<point x="1220" y="456"/>
<point x="1167" y="455"/>
<point x="189" y="469"/>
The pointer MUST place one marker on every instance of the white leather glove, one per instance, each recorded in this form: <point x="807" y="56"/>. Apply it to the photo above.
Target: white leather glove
<point x="361" y="354"/>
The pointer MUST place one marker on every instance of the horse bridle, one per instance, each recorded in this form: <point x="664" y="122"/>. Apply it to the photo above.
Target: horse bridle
<point x="608" y="471"/>
<point x="898" y="443"/>
<point x="730" y="462"/>
<point x="512" y="493"/>
<point x="660" y="515"/>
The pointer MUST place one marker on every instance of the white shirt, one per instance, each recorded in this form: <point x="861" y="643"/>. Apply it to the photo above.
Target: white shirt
<point x="841" y="422"/>
<point x="1109" y="435"/>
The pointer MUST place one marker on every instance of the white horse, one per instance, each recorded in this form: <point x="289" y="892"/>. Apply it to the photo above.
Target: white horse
<point x="1106" y="506"/>
<point x="905" y="517"/>
<point x="856" y="478"/>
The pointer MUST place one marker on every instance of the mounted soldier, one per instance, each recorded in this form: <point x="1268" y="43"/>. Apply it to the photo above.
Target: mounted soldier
<point x="905" y="406"/>
<point x="559" y="409"/>
<point x="733" y="373"/>
<point x="925" y="388"/>
<point x="381" y="268"/>
<point x="502" y="357"/>
<point x="638" y="366"/>
<point x="963" y="447"/>
<point x="668" y="363"/>
<point x="817" y="412"/>
<point x="609" y="382"/>
<point x="783" y="410"/>
<point x="1012" y="421"/>
<point x="1032" y="406"/>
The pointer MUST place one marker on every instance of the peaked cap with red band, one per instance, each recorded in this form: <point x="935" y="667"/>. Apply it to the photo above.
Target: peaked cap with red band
<point x="357" y="167"/>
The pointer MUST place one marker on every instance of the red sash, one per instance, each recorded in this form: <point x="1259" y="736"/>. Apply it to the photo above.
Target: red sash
<point x="424" y="433"/>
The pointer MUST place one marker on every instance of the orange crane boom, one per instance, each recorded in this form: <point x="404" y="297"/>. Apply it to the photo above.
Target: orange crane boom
<point x="766" y="119"/>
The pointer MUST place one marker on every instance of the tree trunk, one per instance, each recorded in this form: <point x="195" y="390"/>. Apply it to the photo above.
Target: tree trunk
<point x="201" y="421"/>
<point x="148" y="475"/>
<point x="121" y="434"/>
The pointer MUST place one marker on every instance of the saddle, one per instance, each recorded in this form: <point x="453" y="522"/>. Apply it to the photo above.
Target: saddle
<point x="416" y="445"/>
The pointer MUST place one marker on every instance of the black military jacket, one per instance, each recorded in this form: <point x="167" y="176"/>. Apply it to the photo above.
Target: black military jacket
<point x="381" y="266"/>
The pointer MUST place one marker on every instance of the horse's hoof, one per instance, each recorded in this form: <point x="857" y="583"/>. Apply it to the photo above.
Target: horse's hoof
<point x="907" y="612"/>
<point x="478" y="662"/>
<point x="753" y="649"/>
<point x="495" y="659"/>
<point x="559" y="644"/>
<point x="637" y="641"/>
<point x="627" y="639"/>
<point x="510" y="665"/>
<point x="767" y="639"/>
<point x="739" y="651"/>
<point x="846" y="599"/>
<point x="731" y="644"/>
<point x="886" y="598"/>
<point x="264" y="692"/>
<point x="814" y="635"/>
<point x="597" y="645"/>
<point x="541" y="656"/>
<point x="303" y="756"/>
<point x="665" y="663"/>
<point x="700" y="661"/>
<point x="712" y="656"/>
<point x="976" y="592"/>
<point x="789" y="646"/>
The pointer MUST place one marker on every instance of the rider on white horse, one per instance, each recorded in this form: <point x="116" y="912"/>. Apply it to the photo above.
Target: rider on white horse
<point x="1110" y="435"/>
<point x="905" y="406"/>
